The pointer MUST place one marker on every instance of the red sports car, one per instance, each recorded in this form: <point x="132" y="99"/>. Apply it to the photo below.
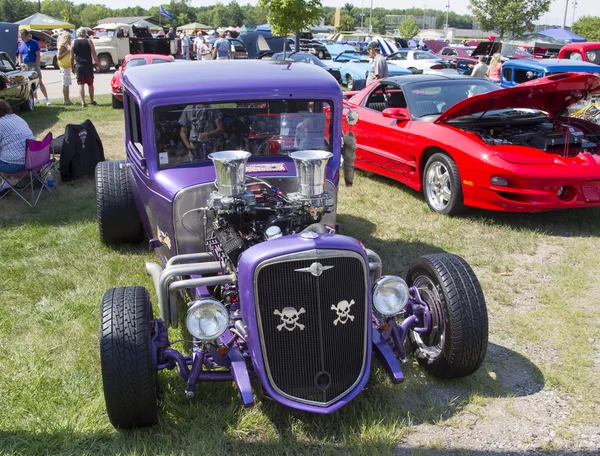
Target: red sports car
<point x="464" y="142"/>
<point x="131" y="61"/>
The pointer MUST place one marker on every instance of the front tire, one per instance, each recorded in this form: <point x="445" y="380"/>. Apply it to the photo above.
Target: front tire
<point x="118" y="219"/>
<point x="55" y="63"/>
<point x="105" y="62"/>
<point x="442" y="185"/>
<point x="350" y="83"/>
<point x="116" y="103"/>
<point x="29" y="104"/>
<point x="457" y="343"/>
<point x="128" y="375"/>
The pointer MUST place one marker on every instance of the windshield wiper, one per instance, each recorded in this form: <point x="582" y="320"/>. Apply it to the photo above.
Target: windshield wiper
<point x="432" y="114"/>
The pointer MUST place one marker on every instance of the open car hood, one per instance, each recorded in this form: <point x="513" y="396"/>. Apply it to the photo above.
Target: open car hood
<point x="552" y="95"/>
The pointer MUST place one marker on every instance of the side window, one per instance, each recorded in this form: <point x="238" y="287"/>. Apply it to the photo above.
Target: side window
<point x="574" y="56"/>
<point x="507" y="74"/>
<point x="135" y="125"/>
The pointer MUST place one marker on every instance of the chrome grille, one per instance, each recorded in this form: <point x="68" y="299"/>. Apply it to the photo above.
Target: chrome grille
<point x="320" y="362"/>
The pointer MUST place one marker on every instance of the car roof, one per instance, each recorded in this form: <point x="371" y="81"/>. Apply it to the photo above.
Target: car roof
<point x="553" y="64"/>
<point x="577" y="46"/>
<point x="201" y="80"/>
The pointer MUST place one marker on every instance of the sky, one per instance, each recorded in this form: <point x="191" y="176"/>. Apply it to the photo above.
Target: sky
<point x="554" y="16"/>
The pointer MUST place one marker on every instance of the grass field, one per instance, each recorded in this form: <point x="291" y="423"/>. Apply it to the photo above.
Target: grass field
<point x="538" y="271"/>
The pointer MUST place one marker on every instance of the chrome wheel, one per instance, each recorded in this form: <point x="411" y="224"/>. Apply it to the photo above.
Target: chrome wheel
<point x="430" y="345"/>
<point x="438" y="186"/>
<point x="350" y="83"/>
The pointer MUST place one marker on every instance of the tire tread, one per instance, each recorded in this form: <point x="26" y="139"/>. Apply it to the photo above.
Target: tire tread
<point x="118" y="219"/>
<point x="125" y="353"/>
<point x="466" y="334"/>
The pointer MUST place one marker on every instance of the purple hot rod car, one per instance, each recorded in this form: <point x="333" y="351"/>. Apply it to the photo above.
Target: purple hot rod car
<point x="235" y="185"/>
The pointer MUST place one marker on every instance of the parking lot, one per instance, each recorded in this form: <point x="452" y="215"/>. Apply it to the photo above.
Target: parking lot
<point x="53" y="82"/>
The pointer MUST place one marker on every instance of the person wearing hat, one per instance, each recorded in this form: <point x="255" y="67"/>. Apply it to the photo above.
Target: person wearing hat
<point x="379" y="67"/>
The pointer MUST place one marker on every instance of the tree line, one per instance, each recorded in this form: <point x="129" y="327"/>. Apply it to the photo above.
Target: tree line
<point x="219" y="15"/>
<point x="513" y="18"/>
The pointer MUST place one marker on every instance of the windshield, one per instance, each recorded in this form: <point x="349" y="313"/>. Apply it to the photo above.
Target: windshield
<point x="307" y="58"/>
<point x="136" y="63"/>
<point x="593" y="55"/>
<point x="420" y="55"/>
<point x="431" y="98"/>
<point x="188" y="133"/>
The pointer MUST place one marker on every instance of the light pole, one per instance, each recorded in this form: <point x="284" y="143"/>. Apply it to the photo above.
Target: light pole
<point x="362" y="15"/>
<point x="565" y="19"/>
<point x="371" y="20"/>
<point x="574" y="6"/>
<point x="447" y="12"/>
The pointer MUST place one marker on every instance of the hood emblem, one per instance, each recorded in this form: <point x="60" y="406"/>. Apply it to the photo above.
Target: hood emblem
<point x="343" y="312"/>
<point x="315" y="269"/>
<point x="289" y="318"/>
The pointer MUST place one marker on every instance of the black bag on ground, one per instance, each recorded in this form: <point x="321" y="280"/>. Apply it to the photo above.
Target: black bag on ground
<point x="81" y="151"/>
<point x="57" y="144"/>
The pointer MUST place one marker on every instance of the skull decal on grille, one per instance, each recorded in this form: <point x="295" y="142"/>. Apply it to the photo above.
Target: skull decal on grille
<point x="343" y="312"/>
<point x="289" y="318"/>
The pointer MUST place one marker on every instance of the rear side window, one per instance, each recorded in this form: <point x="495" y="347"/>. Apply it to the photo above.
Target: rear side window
<point x="507" y="74"/>
<point x="135" y="124"/>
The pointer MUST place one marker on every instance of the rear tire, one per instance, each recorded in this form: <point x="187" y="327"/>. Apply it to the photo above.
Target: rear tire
<point x="116" y="103"/>
<point x="104" y="63"/>
<point x="118" y="219"/>
<point x="442" y="185"/>
<point x="457" y="343"/>
<point x="128" y="375"/>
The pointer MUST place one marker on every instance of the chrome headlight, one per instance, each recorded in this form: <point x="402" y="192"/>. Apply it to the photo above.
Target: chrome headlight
<point x="207" y="319"/>
<point x="390" y="295"/>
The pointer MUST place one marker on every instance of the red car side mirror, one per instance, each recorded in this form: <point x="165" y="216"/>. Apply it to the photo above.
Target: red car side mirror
<point x="396" y="113"/>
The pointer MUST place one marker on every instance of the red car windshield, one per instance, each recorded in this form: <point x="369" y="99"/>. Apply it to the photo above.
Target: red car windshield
<point x="431" y="98"/>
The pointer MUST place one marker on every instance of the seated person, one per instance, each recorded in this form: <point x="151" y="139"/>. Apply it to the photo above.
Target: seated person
<point x="201" y="130"/>
<point x="14" y="131"/>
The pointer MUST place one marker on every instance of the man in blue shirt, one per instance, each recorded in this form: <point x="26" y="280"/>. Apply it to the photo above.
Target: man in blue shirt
<point x="28" y="53"/>
<point x="222" y="48"/>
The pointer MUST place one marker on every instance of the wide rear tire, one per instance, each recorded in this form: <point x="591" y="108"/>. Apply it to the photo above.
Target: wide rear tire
<point x="118" y="219"/>
<point x="128" y="376"/>
<point x="457" y="343"/>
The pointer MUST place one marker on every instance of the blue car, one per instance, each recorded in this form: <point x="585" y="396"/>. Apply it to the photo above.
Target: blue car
<point x="517" y="71"/>
<point x="310" y="58"/>
<point x="355" y="67"/>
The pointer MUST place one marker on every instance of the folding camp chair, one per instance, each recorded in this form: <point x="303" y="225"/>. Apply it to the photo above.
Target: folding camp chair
<point x="39" y="161"/>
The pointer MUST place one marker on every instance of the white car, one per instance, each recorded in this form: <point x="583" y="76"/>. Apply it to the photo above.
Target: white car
<point x="49" y="58"/>
<point x="420" y="62"/>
